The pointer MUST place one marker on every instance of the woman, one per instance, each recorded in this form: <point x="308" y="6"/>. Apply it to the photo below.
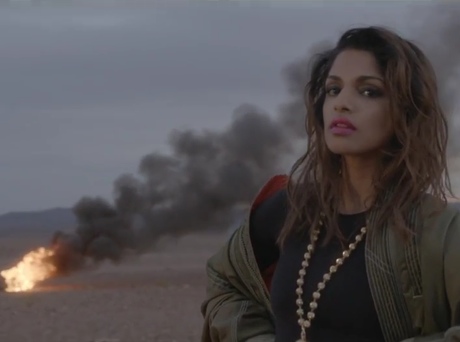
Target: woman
<point x="358" y="243"/>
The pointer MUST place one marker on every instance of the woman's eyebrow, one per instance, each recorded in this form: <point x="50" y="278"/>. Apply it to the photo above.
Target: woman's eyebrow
<point x="360" y="78"/>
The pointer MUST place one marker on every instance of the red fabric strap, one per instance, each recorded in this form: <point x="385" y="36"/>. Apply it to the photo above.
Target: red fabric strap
<point x="273" y="185"/>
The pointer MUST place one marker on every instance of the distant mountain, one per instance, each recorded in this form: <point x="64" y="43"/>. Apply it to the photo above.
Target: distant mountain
<point x="50" y="220"/>
<point x="43" y="221"/>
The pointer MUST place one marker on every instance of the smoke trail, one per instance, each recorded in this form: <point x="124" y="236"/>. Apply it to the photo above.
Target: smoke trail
<point x="197" y="187"/>
<point x="208" y="174"/>
<point x="438" y="35"/>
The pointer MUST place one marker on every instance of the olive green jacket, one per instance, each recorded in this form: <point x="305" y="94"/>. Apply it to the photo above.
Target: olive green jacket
<point x="415" y="286"/>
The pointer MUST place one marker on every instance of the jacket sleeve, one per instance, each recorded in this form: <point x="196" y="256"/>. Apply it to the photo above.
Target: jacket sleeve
<point x="230" y="312"/>
<point x="233" y="310"/>
<point x="452" y="285"/>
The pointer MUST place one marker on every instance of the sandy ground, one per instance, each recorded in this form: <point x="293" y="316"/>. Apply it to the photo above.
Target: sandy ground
<point x="154" y="298"/>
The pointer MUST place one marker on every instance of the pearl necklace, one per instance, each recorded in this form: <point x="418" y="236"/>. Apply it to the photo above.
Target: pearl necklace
<point x="303" y="322"/>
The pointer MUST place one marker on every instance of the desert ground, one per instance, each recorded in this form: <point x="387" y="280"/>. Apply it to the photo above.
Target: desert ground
<point x="155" y="297"/>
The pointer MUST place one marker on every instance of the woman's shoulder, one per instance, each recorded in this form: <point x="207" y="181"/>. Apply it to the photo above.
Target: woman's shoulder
<point x="273" y="187"/>
<point x="269" y="211"/>
<point x="268" y="214"/>
<point x="451" y="217"/>
<point x="437" y="210"/>
<point x="441" y="222"/>
<point x="272" y="208"/>
<point x="439" y="259"/>
<point x="272" y="201"/>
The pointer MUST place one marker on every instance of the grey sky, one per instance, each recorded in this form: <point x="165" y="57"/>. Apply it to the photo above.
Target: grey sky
<point x="86" y="92"/>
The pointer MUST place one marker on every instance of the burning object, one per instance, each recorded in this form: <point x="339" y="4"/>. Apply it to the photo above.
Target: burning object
<point x="35" y="266"/>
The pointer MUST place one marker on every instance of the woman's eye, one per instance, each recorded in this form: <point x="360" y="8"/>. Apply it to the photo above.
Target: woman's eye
<point x="333" y="90"/>
<point x="371" y="92"/>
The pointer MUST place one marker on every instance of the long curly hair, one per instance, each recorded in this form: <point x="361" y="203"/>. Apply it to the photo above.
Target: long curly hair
<point x="415" y="161"/>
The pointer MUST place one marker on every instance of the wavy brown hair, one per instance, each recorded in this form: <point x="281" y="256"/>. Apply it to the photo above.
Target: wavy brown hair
<point x="414" y="162"/>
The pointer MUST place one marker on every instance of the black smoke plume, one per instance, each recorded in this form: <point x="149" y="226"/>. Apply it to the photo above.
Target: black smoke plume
<point x="208" y="175"/>
<point x="437" y="28"/>
<point x="199" y="186"/>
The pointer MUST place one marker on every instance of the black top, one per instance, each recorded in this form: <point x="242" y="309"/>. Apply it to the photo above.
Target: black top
<point x="345" y="312"/>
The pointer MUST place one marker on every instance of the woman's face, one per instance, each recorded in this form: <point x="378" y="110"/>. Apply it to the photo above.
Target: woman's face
<point x="356" y="107"/>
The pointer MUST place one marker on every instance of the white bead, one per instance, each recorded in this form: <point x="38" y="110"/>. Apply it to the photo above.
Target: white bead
<point x="306" y="324"/>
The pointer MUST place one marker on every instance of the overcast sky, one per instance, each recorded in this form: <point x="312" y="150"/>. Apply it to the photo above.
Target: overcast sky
<point x="86" y="92"/>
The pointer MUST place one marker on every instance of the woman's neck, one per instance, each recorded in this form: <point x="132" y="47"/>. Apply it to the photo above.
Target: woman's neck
<point x="358" y="191"/>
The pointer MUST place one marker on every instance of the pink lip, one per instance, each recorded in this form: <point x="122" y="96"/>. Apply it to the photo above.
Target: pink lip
<point x="342" y="126"/>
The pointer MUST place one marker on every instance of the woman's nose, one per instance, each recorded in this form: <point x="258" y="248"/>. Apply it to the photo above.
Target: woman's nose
<point x="343" y="102"/>
<point x="341" y="108"/>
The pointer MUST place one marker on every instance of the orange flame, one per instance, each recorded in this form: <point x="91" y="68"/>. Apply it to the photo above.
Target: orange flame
<point x="32" y="269"/>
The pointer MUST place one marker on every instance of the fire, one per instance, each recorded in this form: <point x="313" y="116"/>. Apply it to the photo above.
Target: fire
<point x="32" y="269"/>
